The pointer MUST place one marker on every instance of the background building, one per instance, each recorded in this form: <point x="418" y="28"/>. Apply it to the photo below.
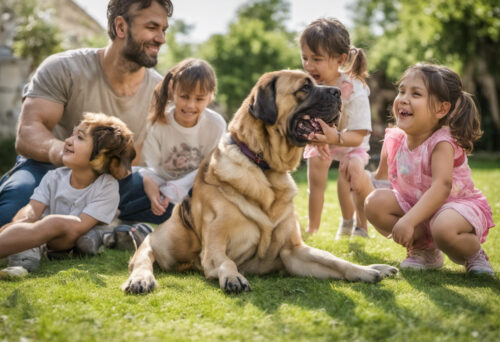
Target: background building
<point x="74" y="28"/>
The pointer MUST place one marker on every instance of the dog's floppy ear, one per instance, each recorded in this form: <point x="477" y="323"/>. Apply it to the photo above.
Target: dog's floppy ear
<point x="121" y="165"/>
<point x="264" y="106"/>
<point x="113" y="151"/>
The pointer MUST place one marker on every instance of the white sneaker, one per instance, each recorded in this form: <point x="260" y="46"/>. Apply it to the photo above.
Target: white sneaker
<point x="345" y="229"/>
<point x="13" y="272"/>
<point x="29" y="259"/>
<point x="360" y="232"/>
<point x="420" y="259"/>
<point x="479" y="264"/>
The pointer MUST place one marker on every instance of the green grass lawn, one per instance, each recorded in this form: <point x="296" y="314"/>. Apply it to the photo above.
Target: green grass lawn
<point x="80" y="300"/>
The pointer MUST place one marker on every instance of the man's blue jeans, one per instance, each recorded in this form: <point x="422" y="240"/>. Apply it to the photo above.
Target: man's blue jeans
<point x="17" y="186"/>
<point x="135" y="204"/>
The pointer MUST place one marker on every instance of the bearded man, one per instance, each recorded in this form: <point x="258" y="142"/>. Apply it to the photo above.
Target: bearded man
<point x="115" y="80"/>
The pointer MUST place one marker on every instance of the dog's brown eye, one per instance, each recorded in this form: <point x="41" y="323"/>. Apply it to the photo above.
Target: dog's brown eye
<point x="306" y="87"/>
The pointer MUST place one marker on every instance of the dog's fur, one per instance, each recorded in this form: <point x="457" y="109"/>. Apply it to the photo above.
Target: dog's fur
<point x="241" y="218"/>
<point x="113" y="150"/>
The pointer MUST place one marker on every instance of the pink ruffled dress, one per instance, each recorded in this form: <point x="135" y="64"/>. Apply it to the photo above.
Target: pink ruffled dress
<point x="410" y="176"/>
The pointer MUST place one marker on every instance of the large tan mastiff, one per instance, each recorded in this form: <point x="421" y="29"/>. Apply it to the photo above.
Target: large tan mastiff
<point x="240" y="218"/>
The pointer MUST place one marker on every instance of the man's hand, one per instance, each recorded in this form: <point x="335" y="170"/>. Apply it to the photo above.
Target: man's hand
<point x="159" y="203"/>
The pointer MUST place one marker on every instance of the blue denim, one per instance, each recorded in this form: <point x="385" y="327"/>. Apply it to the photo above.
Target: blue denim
<point x="18" y="184"/>
<point x="135" y="204"/>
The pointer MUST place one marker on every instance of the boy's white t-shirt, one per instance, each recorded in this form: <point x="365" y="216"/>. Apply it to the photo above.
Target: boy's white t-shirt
<point x="99" y="200"/>
<point x="173" y="153"/>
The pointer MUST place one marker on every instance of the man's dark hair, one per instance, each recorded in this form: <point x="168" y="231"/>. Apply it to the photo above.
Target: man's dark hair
<point x="122" y="7"/>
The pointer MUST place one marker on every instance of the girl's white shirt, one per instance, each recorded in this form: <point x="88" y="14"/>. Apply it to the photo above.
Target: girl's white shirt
<point x="173" y="153"/>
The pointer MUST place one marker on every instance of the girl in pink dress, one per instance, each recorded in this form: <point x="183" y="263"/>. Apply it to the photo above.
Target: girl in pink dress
<point x="433" y="206"/>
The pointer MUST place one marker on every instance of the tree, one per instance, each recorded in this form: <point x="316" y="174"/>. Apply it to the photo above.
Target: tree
<point x="175" y="49"/>
<point x="36" y="36"/>
<point x="257" y="42"/>
<point x="462" y="34"/>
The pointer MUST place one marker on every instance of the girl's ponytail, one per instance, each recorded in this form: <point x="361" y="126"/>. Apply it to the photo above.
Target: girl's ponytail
<point x="160" y="100"/>
<point x="464" y="122"/>
<point x="356" y="65"/>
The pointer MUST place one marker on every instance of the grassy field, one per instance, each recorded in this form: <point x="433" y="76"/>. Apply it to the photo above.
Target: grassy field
<point x="79" y="299"/>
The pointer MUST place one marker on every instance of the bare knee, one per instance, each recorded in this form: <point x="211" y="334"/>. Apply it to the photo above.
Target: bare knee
<point x="360" y="181"/>
<point x="442" y="233"/>
<point x="373" y="203"/>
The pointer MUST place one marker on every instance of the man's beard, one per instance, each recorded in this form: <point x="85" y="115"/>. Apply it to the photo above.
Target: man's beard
<point x="134" y="52"/>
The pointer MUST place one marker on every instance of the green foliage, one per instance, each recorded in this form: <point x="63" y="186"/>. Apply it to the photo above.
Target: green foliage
<point x="36" y="37"/>
<point x="243" y="55"/>
<point x="450" y="32"/>
<point x="272" y="13"/>
<point x="257" y="42"/>
<point x="176" y="49"/>
<point x="79" y="299"/>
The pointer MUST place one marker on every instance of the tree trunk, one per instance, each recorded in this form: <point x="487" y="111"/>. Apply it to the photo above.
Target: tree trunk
<point x="489" y="90"/>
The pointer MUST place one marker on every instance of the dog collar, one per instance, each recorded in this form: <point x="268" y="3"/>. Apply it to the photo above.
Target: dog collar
<point x="256" y="158"/>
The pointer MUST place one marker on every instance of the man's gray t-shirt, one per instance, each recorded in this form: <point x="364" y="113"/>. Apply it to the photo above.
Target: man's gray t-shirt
<point x="75" y="78"/>
<point x="99" y="199"/>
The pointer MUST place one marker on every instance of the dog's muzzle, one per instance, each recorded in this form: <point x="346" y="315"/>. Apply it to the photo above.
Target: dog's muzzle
<point x="323" y="103"/>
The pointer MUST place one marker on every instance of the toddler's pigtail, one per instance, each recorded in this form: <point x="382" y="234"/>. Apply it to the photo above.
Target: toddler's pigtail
<point x="160" y="100"/>
<point x="464" y="123"/>
<point x="356" y="65"/>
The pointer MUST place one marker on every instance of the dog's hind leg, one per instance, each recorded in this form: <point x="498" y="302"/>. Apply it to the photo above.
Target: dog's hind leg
<point x="141" y="279"/>
<point x="303" y="260"/>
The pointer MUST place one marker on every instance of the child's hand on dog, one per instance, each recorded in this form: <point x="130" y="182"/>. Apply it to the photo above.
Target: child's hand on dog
<point x="159" y="203"/>
<point x="330" y="134"/>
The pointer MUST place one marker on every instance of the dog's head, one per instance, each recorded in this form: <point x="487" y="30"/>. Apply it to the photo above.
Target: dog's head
<point x="291" y="100"/>
<point x="113" y="150"/>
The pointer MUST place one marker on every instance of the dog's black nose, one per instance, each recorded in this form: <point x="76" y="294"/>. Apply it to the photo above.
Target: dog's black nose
<point x="334" y="91"/>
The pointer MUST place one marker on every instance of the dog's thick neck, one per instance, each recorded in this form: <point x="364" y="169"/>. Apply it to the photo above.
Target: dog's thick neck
<point x="257" y="158"/>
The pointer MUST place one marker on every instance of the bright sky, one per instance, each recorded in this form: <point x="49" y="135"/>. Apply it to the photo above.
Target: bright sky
<point x="213" y="16"/>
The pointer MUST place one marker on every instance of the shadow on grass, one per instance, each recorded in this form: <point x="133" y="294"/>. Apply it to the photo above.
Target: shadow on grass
<point x="90" y="268"/>
<point x="436" y="285"/>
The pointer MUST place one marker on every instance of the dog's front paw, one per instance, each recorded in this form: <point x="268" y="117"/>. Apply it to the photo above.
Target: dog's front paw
<point x="363" y="273"/>
<point x="385" y="270"/>
<point x="234" y="283"/>
<point x="139" y="283"/>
